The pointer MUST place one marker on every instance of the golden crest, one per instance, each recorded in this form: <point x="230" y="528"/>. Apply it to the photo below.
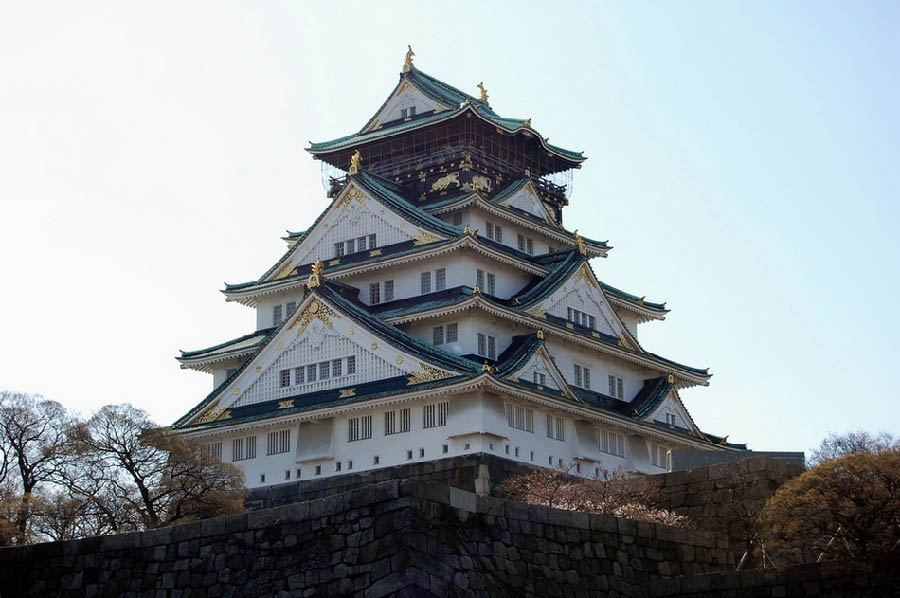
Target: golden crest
<point x="427" y="374"/>
<point x="286" y="404"/>
<point x="424" y="238"/>
<point x="481" y="183"/>
<point x="347" y="392"/>
<point x="445" y="181"/>
<point x="315" y="309"/>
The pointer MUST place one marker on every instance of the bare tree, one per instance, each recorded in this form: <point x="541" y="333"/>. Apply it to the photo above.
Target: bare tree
<point x="33" y="434"/>
<point x="157" y="476"/>
<point x="852" y="442"/>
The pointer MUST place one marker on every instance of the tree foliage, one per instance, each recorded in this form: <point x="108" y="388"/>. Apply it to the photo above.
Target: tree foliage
<point x="847" y="508"/>
<point x="611" y="495"/>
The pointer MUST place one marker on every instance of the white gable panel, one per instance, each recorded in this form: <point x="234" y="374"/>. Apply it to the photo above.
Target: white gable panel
<point x="527" y="200"/>
<point x="404" y="98"/>
<point x="539" y="365"/>
<point x="671" y="406"/>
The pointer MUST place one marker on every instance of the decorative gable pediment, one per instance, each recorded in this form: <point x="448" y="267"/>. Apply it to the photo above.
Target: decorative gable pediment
<point x="358" y="220"/>
<point x="406" y="97"/>
<point x="581" y="292"/>
<point x="540" y="369"/>
<point x="318" y="349"/>
<point x="527" y="200"/>
<point x="671" y="406"/>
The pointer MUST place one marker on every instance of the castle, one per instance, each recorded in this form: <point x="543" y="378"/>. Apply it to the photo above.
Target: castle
<point x="440" y="308"/>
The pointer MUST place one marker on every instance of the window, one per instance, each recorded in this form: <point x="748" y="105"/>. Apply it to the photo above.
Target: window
<point x="404" y="419"/>
<point x="350" y="464"/>
<point x="276" y="315"/>
<point x="351" y="364"/>
<point x="361" y="244"/>
<point x="318" y="470"/>
<point x="421" y="452"/>
<point x="437" y="335"/>
<point x="520" y="418"/>
<point x="616" y="387"/>
<point x="212" y="449"/>
<point x="297" y="473"/>
<point x="291" y="306"/>
<point x="658" y="455"/>
<point x="285" y="380"/>
<point x="440" y="279"/>
<point x="495" y="233"/>
<point x="445" y="449"/>
<point x="376" y="460"/>
<point x="452" y="333"/>
<point x="435" y="415"/>
<point x="243" y="448"/>
<point x="388" y="290"/>
<point x="360" y="428"/>
<point x="287" y="474"/>
<point x="311" y="372"/>
<point x="539" y="378"/>
<point x="491" y="286"/>
<point x="262" y="478"/>
<point x="278" y="442"/>
<point x="670" y="419"/>
<point x="325" y="370"/>
<point x="526" y="244"/>
<point x="374" y="293"/>
<point x="390" y="422"/>
<point x="408" y="455"/>
<point x="426" y="282"/>
<point x="445" y="334"/>
<point x="339" y="249"/>
<point x="337" y="466"/>
<point x="556" y="427"/>
<point x="407" y="112"/>
<point x="582" y="376"/>
<point x="299" y="375"/>
<point x="487" y="346"/>
<point x="351" y="246"/>
<point x="612" y="443"/>
<point x="336" y="367"/>
<point x="372" y="241"/>
<point x="479" y="279"/>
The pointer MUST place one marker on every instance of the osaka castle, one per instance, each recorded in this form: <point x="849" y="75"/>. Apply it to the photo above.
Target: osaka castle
<point x="440" y="307"/>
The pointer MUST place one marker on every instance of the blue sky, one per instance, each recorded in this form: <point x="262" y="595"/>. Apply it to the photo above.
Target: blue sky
<point x="743" y="162"/>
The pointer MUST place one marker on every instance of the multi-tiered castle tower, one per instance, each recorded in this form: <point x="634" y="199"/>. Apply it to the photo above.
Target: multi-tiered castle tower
<point x="439" y="308"/>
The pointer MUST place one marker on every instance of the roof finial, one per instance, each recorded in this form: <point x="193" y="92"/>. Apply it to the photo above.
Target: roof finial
<point x="315" y="279"/>
<point x="484" y="95"/>
<point x="527" y="123"/>
<point x="355" y="161"/>
<point x="582" y="248"/>
<point x="724" y="440"/>
<point x="540" y="334"/>
<point x="486" y="367"/>
<point x="407" y="63"/>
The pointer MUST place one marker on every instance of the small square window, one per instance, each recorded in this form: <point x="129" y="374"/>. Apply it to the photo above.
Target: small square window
<point x="467" y="446"/>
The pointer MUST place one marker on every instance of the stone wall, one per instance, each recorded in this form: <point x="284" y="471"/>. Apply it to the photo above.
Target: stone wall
<point x="393" y="538"/>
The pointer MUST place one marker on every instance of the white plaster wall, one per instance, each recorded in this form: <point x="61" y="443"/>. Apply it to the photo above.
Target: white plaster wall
<point x="264" y="305"/>
<point x="471" y="323"/>
<point x="567" y="355"/>
<point x="630" y="321"/>
<point x="220" y="373"/>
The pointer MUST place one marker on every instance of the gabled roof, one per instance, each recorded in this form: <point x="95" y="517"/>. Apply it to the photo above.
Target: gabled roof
<point x="456" y="102"/>
<point x="241" y="346"/>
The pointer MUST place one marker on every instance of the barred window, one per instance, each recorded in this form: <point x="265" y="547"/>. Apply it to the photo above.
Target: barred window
<point x="435" y="415"/>
<point x="404" y="419"/>
<point x="278" y="442"/>
<point x="529" y="246"/>
<point x="243" y="448"/>
<point x="390" y="422"/>
<point x="440" y="279"/>
<point x="397" y="421"/>
<point x="325" y="370"/>
<point x="212" y="449"/>
<point x="299" y="375"/>
<point x="351" y="364"/>
<point x="452" y="332"/>
<point x="426" y="282"/>
<point x="437" y="335"/>
<point x="285" y="378"/>
<point x="520" y="418"/>
<point x="388" y="290"/>
<point x="428" y="416"/>
<point x="374" y="293"/>
<point x="276" y="315"/>
<point x="491" y="286"/>
<point x="351" y="246"/>
<point x="291" y="306"/>
<point x="479" y="279"/>
<point x="360" y="428"/>
<point x="311" y="372"/>
<point x="612" y="443"/>
<point x="540" y="378"/>
<point x="339" y="249"/>
<point x="556" y="427"/>
<point x="616" y="387"/>
<point x="372" y="244"/>
<point x="582" y="376"/>
<point x="361" y="244"/>
<point x="336" y="367"/>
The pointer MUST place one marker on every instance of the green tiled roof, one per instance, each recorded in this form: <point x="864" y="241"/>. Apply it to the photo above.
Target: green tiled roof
<point x="522" y="348"/>
<point x="634" y="298"/>
<point x="566" y="262"/>
<point x="653" y="393"/>
<point x="248" y="341"/>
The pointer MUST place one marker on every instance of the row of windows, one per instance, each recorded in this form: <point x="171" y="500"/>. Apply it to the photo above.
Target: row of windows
<point x="581" y="318"/>
<point x="445" y="334"/>
<point x="616" y="387"/>
<point x="323" y="370"/>
<point x="582" y="376"/>
<point x="349" y="246"/>
<point x="659" y="455"/>
<point x="487" y="346"/>
<point x="526" y="244"/>
<point x="612" y="443"/>
<point x="556" y="427"/>
<point x="494" y="232"/>
<point x="407" y="112"/>
<point x="398" y="421"/>
<point x="520" y="418"/>
<point x="440" y="280"/>
<point x="481" y="278"/>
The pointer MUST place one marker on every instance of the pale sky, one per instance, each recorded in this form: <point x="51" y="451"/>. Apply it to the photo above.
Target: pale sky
<point x="744" y="161"/>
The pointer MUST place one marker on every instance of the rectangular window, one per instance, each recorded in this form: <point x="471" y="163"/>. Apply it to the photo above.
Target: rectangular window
<point x="291" y="306"/>
<point x="212" y="449"/>
<point x="428" y="416"/>
<point x="388" y="290"/>
<point x="440" y="279"/>
<point x="403" y="112"/>
<point x="443" y="410"/>
<point x="437" y="335"/>
<point x="577" y="375"/>
<point x="491" y="286"/>
<point x="285" y="378"/>
<point x="529" y="246"/>
<point x="658" y="455"/>
<point x="351" y="364"/>
<point x="372" y="241"/>
<point x="412" y="110"/>
<point x="351" y="246"/>
<point x="612" y="443"/>
<point x="540" y="379"/>
<point x="426" y="282"/>
<point x="521" y="239"/>
<point x="616" y="387"/>
<point x="299" y="375"/>
<point x="489" y="229"/>
<point x="325" y="370"/>
<point x="520" y="418"/>
<point x="556" y="427"/>
<point x="374" y="293"/>
<point x="360" y="428"/>
<point x="337" y="466"/>
<point x="276" y="315"/>
<point x="339" y="249"/>
<point x="582" y="376"/>
<point x="311" y="372"/>
<point x="491" y="347"/>
<point x="435" y="415"/>
<point x="670" y="419"/>
<point x="336" y="367"/>
<point x="452" y="333"/>
<point x="243" y="448"/>
<point x="404" y="419"/>
<point x="278" y="442"/>
<point x="361" y="244"/>
<point x="479" y="279"/>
